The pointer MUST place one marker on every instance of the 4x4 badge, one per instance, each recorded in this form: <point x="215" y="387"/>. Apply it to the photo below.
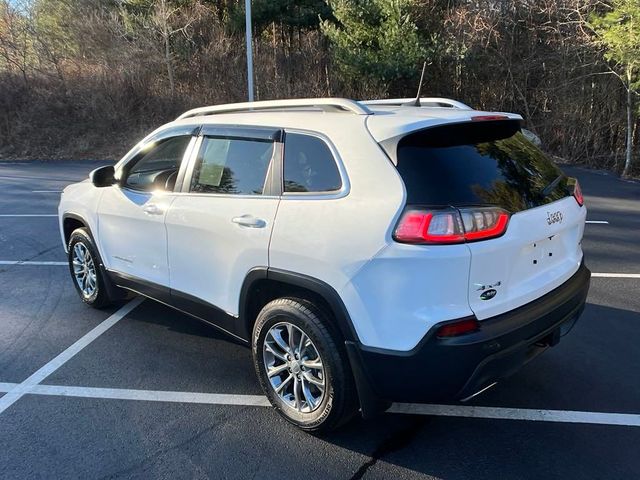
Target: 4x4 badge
<point x="489" y="294"/>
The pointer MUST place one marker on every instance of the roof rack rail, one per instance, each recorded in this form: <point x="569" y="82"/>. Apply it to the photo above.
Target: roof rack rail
<point x="324" y="104"/>
<point x="424" y="102"/>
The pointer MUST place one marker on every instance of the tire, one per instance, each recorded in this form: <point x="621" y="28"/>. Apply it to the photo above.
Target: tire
<point x="317" y="409"/>
<point x="98" y="286"/>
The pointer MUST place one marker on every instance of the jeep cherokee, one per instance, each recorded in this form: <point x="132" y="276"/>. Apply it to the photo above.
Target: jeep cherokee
<point x="367" y="252"/>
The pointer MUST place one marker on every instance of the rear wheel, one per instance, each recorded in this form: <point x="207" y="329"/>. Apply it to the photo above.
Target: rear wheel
<point x="302" y="366"/>
<point x="86" y="269"/>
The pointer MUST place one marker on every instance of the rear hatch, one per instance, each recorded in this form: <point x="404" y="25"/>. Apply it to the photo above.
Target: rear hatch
<point x="536" y="220"/>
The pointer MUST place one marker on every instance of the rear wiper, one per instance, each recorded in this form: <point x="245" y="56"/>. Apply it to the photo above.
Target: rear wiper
<point x="552" y="186"/>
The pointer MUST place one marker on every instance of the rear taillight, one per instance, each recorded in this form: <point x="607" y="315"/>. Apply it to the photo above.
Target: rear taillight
<point x="483" y="223"/>
<point x="450" y="225"/>
<point x="430" y="226"/>
<point x="459" y="327"/>
<point x="577" y="192"/>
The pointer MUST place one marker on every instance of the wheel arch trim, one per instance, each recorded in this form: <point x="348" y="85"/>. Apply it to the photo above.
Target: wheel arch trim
<point x="317" y="286"/>
<point x="73" y="216"/>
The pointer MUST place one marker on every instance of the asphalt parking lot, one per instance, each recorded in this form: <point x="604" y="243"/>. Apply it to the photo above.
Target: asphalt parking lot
<point x="142" y="391"/>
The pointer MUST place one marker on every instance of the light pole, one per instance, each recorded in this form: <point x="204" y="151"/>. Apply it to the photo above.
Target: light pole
<point x="247" y="8"/>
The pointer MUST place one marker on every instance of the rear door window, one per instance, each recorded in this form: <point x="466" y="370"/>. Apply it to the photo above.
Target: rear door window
<point x="231" y="166"/>
<point x="478" y="163"/>
<point x="309" y="165"/>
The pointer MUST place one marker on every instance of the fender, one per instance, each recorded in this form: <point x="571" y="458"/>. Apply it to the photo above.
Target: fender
<point x="319" y="287"/>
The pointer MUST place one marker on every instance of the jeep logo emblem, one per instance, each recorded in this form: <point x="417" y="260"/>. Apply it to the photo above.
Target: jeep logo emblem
<point x="489" y="294"/>
<point x="555" y="217"/>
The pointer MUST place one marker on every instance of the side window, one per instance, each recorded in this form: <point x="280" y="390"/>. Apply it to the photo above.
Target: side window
<point x="231" y="166"/>
<point x="158" y="167"/>
<point x="309" y="165"/>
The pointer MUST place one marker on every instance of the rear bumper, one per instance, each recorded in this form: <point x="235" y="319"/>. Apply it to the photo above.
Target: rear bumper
<point x="458" y="367"/>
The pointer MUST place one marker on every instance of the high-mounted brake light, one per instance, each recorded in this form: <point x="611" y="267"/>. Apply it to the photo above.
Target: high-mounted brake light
<point x="461" y="327"/>
<point x="577" y="193"/>
<point x="488" y="118"/>
<point x="450" y="225"/>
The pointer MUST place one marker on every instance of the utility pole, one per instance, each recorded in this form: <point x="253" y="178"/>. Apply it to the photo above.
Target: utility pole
<point x="247" y="9"/>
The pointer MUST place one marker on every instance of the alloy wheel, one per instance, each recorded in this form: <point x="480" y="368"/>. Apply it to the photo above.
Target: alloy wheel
<point x="294" y="367"/>
<point x="84" y="270"/>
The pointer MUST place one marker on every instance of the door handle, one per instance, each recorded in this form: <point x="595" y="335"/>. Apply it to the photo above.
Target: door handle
<point x="153" y="209"/>
<point x="249" y="221"/>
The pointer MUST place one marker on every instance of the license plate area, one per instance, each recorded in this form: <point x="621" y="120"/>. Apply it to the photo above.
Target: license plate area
<point x="544" y="252"/>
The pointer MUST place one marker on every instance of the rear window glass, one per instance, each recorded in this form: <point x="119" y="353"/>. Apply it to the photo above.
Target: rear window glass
<point x="478" y="163"/>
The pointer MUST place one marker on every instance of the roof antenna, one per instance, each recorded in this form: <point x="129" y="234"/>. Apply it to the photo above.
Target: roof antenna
<point x="416" y="102"/>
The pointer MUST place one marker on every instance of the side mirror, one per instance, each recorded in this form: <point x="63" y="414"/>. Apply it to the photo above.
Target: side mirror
<point x="103" y="176"/>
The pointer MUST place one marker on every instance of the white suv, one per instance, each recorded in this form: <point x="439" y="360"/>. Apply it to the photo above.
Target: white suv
<point x="368" y="252"/>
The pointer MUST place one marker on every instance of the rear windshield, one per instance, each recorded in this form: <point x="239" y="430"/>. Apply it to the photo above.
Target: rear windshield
<point x="487" y="162"/>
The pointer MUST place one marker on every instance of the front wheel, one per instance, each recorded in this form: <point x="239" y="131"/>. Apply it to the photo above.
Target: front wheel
<point x="86" y="270"/>
<point x="302" y="365"/>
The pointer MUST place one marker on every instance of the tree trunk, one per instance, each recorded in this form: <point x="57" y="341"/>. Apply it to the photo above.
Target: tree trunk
<point x="163" y="18"/>
<point x="627" y="163"/>
<point x="274" y="48"/>
<point x="167" y="59"/>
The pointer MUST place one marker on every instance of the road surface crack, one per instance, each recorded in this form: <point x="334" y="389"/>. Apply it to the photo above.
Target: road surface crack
<point x="392" y="443"/>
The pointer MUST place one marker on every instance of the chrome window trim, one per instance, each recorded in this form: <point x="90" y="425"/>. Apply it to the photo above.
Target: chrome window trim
<point x="194" y="148"/>
<point x="331" y="195"/>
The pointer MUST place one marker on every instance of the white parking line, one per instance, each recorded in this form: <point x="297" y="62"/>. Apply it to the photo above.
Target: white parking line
<point x="616" y="275"/>
<point x="604" y="222"/>
<point x="28" y="215"/>
<point x="46" y="191"/>
<point x="533" y="415"/>
<point x="48" y="179"/>
<point x="148" y="395"/>
<point x="496" y="413"/>
<point x="25" y="262"/>
<point x="19" y="390"/>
